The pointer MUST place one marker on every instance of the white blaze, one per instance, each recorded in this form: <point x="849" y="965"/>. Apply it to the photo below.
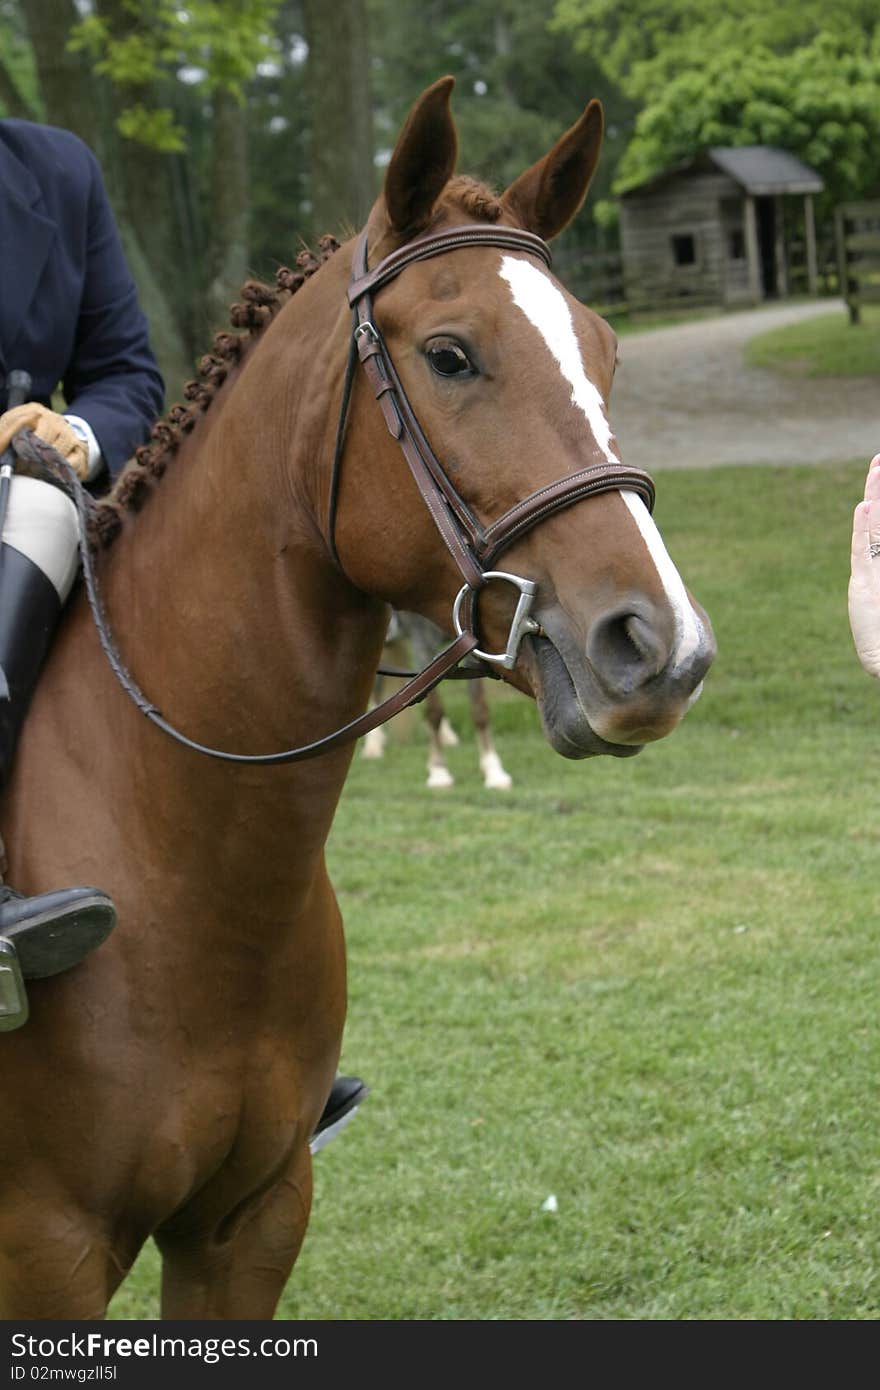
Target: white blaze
<point x="545" y="307"/>
<point x="689" y="630"/>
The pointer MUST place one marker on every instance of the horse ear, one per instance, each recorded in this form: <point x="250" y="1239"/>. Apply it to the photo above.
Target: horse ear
<point x="546" y="197"/>
<point x="423" y="160"/>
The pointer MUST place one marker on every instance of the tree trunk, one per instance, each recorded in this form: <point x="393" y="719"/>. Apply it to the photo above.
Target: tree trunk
<point x="339" y="97"/>
<point x="228" y="243"/>
<point x="67" y="86"/>
<point x="147" y="195"/>
<point x="77" y="100"/>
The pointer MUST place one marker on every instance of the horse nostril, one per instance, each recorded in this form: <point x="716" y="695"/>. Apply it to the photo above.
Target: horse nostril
<point x="626" y="649"/>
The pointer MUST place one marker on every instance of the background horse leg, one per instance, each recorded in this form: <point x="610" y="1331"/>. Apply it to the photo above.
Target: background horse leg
<point x="394" y="653"/>
<point x="439" y="775"/>
<point x="494" y="775"/>
<point x="241" y="1274"/>
<point x="373" y="743"/>
<point x="446" y="734"/>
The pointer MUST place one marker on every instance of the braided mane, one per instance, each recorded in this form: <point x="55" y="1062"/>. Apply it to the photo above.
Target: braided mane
<point x="257" y="308"/>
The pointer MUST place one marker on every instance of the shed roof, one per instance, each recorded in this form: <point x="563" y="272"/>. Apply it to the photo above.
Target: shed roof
<point x="758" y="169"/>
<point x="763" y="169"/>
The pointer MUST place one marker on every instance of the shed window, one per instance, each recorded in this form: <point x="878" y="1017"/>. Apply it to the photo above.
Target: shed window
<point x="684" y="249"/>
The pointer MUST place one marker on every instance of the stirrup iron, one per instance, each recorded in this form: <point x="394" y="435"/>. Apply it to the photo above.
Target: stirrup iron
<point x="13" y="995"/>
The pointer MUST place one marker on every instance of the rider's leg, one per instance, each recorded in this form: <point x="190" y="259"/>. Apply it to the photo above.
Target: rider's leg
<point x="38" y="564"/>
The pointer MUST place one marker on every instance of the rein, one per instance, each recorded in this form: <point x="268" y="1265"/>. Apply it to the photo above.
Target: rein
<point x="472" y="546"/>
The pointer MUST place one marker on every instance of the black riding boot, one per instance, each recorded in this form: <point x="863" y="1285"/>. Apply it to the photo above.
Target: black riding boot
<point x="53" y="931"/>
<point x="345" y="1096"/>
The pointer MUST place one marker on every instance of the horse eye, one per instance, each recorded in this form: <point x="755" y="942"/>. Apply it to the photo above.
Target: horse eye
<point x="448" y="358"/>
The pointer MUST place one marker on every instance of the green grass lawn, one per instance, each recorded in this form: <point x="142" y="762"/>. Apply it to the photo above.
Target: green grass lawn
<point x="825" y="346"/>
<point x="648" y="988"/>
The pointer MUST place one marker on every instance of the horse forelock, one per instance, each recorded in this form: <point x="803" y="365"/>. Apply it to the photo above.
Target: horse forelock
<point x="471" y="196"/>
<point x="258" y="307"/>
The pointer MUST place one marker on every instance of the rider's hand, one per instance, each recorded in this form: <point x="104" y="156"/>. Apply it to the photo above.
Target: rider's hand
<point x="52" y="428"/>
<point x="864" y="584"/>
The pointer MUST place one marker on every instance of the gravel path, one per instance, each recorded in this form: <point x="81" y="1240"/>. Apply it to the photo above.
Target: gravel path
<point x="683" y="397"/>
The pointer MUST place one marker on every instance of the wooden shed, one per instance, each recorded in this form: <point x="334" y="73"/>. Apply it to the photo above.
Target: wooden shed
<point x="720" y="229"/>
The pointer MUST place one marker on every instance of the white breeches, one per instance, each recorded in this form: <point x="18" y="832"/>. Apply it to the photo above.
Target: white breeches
<point x="41" y="523"/>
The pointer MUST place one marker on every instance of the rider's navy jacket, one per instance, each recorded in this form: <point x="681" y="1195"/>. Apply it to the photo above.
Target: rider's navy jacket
<point x="69" y="310"/>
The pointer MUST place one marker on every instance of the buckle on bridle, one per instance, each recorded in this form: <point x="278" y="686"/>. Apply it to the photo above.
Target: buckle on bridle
<point x="520" y="625"/>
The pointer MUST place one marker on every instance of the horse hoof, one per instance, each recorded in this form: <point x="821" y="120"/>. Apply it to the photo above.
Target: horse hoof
<point x="494" y="776"/>
<point x="439" y="778"/>
<point x="498" y="782"/>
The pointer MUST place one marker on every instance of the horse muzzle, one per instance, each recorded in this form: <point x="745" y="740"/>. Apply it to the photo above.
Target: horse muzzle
<point x="630" y="683"/>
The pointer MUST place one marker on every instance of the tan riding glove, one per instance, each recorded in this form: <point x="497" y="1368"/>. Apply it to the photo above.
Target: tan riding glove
<point x="54" y="429"/>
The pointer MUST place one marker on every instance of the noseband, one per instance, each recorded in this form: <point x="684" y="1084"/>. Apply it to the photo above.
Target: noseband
<point x="473" y="546"/>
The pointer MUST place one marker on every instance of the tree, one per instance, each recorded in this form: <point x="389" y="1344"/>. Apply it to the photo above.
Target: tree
<point x="279" y="125"/>
<point x="341" y="163"/>
<point x="19" y="87"/>
<point x="818" y="101"/>
<point x="133" y="80"/>
<point x="643" y="44"/>
<point x="798" y="74"/>
<point x="520" y="85"/>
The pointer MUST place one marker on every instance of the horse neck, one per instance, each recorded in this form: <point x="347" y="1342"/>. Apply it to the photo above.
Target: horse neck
<point x="228" y="609"/>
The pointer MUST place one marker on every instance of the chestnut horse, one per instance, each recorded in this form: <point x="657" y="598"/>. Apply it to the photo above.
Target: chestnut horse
<point x="169" y="1085"/>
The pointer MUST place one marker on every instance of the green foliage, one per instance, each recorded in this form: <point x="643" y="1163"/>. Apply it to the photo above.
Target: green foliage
<point x="645" y="43"/>
<point x="801" y="74"/>
<point x="819" y="101"/>
<point x="19" y="88"/>
<point x="155" y="128"/>
<point x="218" y="42"/>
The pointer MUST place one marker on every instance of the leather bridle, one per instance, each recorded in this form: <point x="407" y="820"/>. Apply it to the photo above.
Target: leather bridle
<point x="473" y="546"/>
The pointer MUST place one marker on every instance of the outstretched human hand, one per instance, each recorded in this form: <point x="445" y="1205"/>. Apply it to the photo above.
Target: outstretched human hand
<point x="53" y="428"/>
<point x="864" y="584"/>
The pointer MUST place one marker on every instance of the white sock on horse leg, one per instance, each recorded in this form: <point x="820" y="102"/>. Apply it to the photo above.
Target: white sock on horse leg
<point x="439" y="777"/>
<point x="446" y="734"/>
<point x="373" y="745"/>
<point x="41" y="523"/>
<point x="494" y="775"/>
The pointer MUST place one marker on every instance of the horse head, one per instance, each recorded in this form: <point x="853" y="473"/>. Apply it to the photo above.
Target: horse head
<point x="509" y="379"/>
